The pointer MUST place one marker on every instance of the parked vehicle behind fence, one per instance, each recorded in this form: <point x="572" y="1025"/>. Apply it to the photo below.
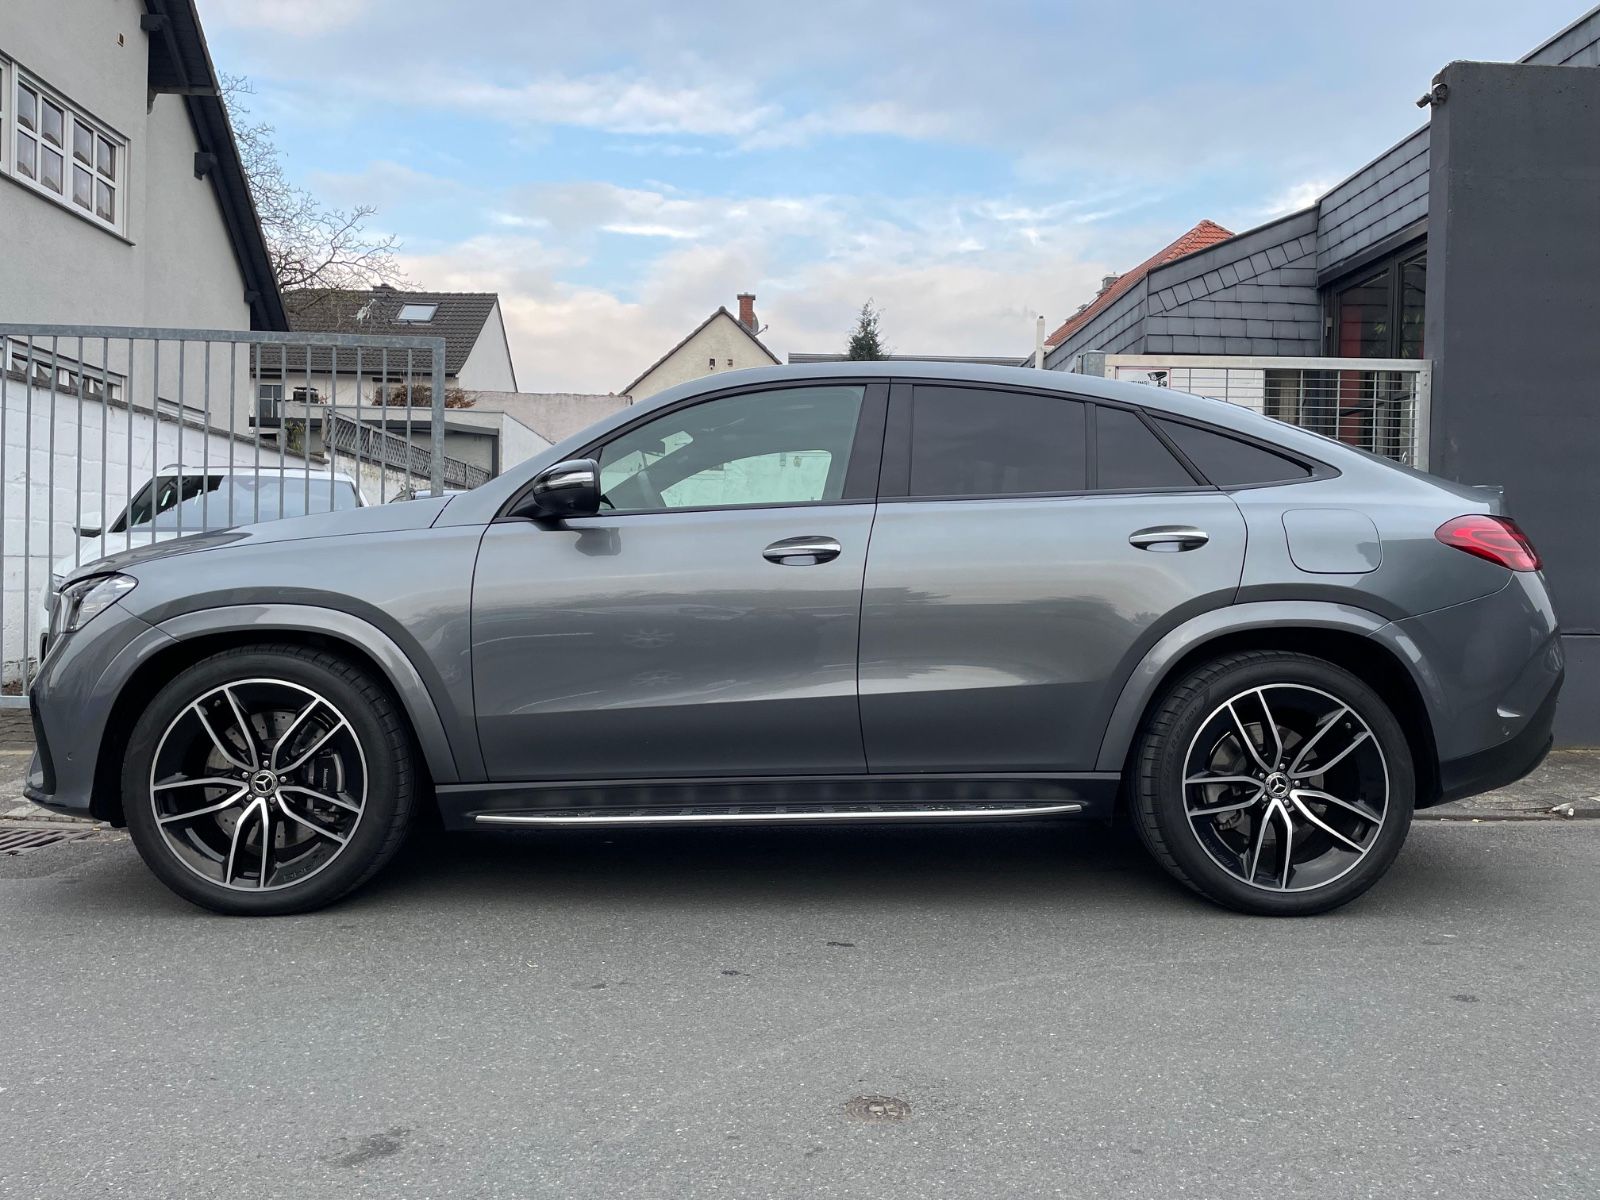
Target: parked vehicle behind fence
<point x="177" y="502"/>
<point x="850" y="593"/>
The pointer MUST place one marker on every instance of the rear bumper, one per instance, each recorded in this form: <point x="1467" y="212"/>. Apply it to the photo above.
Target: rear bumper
<point x="1503" y="764"/>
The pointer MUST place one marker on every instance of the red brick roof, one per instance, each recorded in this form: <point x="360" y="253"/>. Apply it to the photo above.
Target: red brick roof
<point x="1207" y="233"/>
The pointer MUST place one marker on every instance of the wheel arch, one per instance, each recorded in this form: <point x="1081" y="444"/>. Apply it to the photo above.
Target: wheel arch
<point x="198" y="635"/>
<point x="1361" y="642"/>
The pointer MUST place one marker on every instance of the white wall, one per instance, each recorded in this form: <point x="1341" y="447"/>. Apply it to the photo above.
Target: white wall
<point x="99" y="453"/>
<point x="723" y="340"/>
<point x="173" y="265"/>
<point x="489" y="364"/>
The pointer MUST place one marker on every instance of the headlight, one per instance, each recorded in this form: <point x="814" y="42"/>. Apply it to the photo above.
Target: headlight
<point x="79" y="603"/>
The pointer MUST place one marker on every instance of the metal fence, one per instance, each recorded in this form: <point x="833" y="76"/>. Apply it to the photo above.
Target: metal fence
<point x="112" y="438"/>
<point x="1380" y="405"/>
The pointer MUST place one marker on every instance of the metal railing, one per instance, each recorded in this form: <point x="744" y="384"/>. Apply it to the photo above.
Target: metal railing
<point x="1377" y="404"/>
<point x="116" y="437"/>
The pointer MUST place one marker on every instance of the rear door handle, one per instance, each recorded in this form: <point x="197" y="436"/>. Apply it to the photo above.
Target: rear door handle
<point x="1169" y="538"/>
<point x="804" y="551"/>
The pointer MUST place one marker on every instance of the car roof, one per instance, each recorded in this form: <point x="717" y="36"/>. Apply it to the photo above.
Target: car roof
<point x="245" y="469"/>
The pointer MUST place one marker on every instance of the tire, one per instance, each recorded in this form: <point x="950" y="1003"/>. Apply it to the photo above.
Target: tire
<point x="1326" y="776"/>
<point x="311" y="806"/>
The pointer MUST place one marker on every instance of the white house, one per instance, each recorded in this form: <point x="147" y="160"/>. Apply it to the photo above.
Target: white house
<point x="722" y="342"/>
<point x="122" y="203"/>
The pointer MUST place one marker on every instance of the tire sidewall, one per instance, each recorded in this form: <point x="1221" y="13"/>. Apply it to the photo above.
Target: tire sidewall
<point x="1163" y="802"/>
<point x="387" y="782"/>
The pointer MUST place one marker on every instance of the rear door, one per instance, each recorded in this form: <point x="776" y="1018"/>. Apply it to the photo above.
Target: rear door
<point x="1029" y="548"/>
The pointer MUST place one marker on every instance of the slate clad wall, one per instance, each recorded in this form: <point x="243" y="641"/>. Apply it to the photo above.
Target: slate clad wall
<point x="1254" y="294"/>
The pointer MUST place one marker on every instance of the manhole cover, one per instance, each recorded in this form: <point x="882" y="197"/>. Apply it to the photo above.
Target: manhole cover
<point x="877" y="1108"/>
<point x="20" y="841"/>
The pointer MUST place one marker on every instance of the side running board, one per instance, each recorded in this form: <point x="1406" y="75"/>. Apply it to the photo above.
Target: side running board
<point x="796" y="814"/>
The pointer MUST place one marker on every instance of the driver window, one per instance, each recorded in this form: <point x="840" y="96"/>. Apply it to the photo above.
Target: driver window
<point x="784" y="446"/>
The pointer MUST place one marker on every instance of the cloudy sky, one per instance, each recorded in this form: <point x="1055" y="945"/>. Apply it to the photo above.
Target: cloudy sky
<point x="615" y="170"/>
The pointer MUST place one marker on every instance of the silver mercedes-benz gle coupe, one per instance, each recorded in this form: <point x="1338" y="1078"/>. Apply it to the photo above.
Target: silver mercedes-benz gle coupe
<point x="853" y="592"/>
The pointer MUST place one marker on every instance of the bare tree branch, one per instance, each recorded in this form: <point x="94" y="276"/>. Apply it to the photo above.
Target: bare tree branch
<point x="313" y="249"/>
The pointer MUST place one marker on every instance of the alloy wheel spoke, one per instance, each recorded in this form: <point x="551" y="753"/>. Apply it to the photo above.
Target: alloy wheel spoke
<point x="1288" y="845"/>
<point x="1311" y="743"/>
<point x="283" y="807"/>
<point x="1360" y="810"/>
<point x="1325" y="767"/>
<point x="315" y="746"/>
<point x="1347" y="842"/>
<point x="238" y="833"/>
<point x="1218" y="809"/>
<point x="266" y="841"/>
<point x="324" y="797"/>
<point x="1260" y="838"/>
<point x="1272" y="725"/>
<point x="1197" y="780"/>
<point x="204" y="780"/>
<point x="1246" y="739"/>
<point x="216" y="739"/>
<point x="219" y="806"/>
<point x="283" y="738"/>
<point x="245" y="729"/>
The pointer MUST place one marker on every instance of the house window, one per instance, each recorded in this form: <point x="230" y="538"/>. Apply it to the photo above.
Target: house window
<point x="1378" y="313"/>
<point x="59" y="150"/>
<point x="417" y="313"/>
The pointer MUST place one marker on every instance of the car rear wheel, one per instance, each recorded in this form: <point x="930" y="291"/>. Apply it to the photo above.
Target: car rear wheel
<point x="1273" y="783"/>
<point x="268" y="780"/>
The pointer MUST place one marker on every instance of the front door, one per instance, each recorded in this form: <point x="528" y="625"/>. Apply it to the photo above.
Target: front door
<point x="1037" y="546"/>
<point x="706" y="621"/>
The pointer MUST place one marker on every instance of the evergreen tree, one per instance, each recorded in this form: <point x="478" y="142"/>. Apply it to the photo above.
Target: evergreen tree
<point x="865" y="344"/>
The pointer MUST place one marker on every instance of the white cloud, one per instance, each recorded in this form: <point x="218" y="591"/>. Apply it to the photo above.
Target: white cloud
<point x="811" y="260"/>
<point x="295" y="18"/>
<point x="616" y="103"/>
<point x="1297" y="196"/>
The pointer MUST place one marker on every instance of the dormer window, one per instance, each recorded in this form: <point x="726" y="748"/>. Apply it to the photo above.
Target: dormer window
<point x="418" y="314"/>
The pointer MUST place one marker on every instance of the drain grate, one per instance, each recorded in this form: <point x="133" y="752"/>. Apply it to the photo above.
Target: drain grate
<point x="877" y="1108"/>
<point x="21" y="840"/>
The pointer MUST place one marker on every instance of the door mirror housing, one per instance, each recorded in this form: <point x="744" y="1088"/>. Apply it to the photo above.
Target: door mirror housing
<point x="89" y="525"/>
<point x="567" y="489"/>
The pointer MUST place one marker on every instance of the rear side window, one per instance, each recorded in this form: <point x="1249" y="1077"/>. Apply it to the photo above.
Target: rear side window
<point x="975" y="442"/>
<point x="1229" y="462"/>
<point x="1129" y="456"/>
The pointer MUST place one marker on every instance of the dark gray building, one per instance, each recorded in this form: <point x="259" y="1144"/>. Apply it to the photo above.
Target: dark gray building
<point x="1474" y="244"/>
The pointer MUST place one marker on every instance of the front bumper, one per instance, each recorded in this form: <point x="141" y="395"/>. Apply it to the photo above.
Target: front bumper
<point x="71" y="703"/>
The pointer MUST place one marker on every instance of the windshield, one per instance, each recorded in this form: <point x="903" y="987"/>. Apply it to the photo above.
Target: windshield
<point x="192" y="503"/>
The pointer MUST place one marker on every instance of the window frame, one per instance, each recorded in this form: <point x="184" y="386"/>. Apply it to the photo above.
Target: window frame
<point x="1316" y="469"/>
<point x="1393" y="266"/>
<point x="861" y="469"/>
<point x="14" y="76"/>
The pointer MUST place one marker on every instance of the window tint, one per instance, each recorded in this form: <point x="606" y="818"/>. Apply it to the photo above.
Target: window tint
<point x="773" y="447"/>
<point x="1128" y="455"/>
<point x="972" y="442"/>
<point x="1228" y="462"/>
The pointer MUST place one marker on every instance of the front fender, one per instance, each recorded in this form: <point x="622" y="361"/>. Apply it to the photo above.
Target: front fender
<point x="450" y="760"/>
<point x="1147" y="679"/>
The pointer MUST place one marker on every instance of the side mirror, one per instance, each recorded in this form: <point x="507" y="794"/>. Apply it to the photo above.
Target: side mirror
<point x="567" y="489"/>
<point x="89" y="525"/>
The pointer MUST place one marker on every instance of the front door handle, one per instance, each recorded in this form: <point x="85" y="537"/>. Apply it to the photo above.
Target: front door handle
<point x="1169" y="538"/>
<point x="804" y="551"/>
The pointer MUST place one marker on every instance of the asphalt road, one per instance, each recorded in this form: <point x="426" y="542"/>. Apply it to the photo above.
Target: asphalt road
<point x="688" y="1014"/>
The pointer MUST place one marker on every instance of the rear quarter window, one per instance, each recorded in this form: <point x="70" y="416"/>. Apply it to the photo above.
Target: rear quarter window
<point x="1228" y="461"/>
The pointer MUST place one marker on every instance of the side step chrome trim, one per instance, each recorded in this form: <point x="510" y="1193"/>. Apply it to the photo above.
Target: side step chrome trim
<point x="604" y="819"/>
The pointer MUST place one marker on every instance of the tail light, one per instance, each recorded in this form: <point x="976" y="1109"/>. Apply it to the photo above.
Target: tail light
<point x="1495" y="538"/>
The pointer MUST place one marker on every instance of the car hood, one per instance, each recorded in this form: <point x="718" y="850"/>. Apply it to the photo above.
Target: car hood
<point x="381" y="518"/>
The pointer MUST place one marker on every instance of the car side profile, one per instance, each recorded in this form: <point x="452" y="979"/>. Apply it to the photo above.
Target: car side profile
<point x="852" y="593"/>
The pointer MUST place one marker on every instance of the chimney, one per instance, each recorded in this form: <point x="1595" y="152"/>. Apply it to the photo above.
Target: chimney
<point x="747" y="311"/>
<point x="1105" y="283"/>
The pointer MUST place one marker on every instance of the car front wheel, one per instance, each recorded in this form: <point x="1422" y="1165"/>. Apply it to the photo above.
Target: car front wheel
<point x="1273" y="783"/>
<point x="267" y="780"/>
